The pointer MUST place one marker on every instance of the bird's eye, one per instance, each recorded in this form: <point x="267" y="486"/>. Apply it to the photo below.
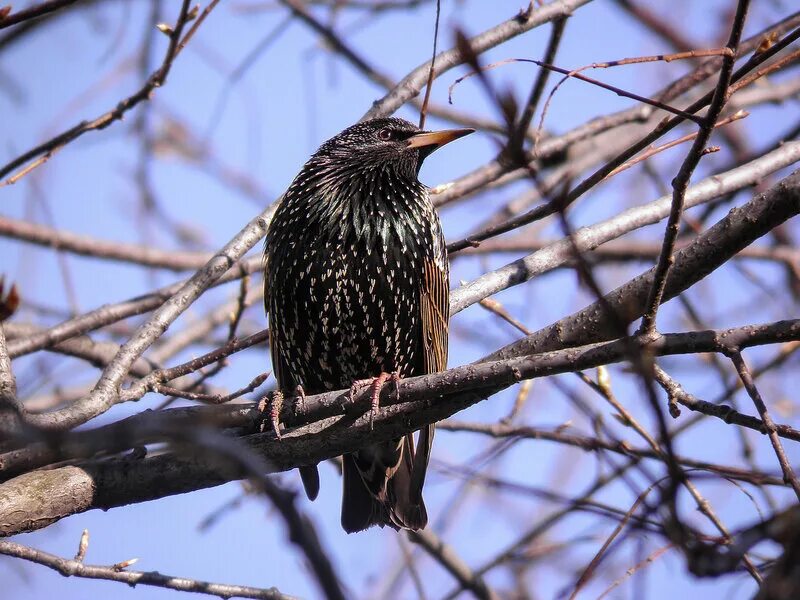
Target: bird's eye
<point x="385" y="134"/>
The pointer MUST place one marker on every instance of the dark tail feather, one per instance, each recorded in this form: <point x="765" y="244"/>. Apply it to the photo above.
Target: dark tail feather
<point x="310" y="477"/>
<point x="421" y="458"/>
<point x="400" y="506"/>
<point x="360" y="509"/>
<point x="405" y="507"/>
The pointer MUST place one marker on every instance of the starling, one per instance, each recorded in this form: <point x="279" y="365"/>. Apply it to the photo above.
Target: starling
<point x="357" y="287"/>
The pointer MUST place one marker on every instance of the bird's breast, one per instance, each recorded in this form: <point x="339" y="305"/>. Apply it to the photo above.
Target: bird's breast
<point x="345" y="293"/>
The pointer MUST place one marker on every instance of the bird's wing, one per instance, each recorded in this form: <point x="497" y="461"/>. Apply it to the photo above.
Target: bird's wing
<point x="435" y="307"/>
<point x="279" y="368"/>
<point x="284" y="380"/>
<point x="435" y="313"/>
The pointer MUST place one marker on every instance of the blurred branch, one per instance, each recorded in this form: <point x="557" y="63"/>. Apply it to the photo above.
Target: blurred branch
<point x="633" y="250"/>
<point x="517" y="137"/>
<point x="46" y="150"/>
<point x="112" y="313"/>
<point x="96" y="353"/>
<point x="665" y="30"/>
<point x="590" y="444"/>
<point x="411" y="85"/>
<point x="83" y="245"/>
<point x="447" y="557"/>
<point x="592" y="566"/>
<point x="33" y="12"/>
<point x="705" y="560"/>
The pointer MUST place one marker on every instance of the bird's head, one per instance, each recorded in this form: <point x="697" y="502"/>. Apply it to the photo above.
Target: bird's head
<point x="386" y="142"/>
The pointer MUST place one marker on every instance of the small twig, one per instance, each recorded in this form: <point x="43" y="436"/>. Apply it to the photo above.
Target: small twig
<point x="493" y="306"/>
<point x="518" y="136"/>
<point x="429" y="85"/>
<point x="590" y="568"/>
<point x="76" y="568"/>
<point x="765" y="70"/>
<point x="594" y="444"/>
<point x="725" y="413"/>
<point x="447" y="557"/>
<point x="637" y="567"/>
<point x="789" y="475"/>
<point x="83" y="546"/>
<point x="199" y="21"/>
<point x="740" y="114"/>
<point x="162" y="376"/>
<point x="36" y="11"/>
<point x="576" y="74"/>
<point x="212" y="398"/>
<point x="156" y="80"/>
<point x="681" y="181"/>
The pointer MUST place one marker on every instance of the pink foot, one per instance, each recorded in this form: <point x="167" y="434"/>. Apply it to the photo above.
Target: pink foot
<point x="272" y="404"/>
<point x="376" y="385"/>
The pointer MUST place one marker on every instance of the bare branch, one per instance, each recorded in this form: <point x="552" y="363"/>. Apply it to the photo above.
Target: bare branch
<point x="76" y="568"/>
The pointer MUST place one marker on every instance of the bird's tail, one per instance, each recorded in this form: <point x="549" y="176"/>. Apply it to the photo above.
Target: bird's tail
<point x="310" y="477"/>
<point x="379" y="489"/>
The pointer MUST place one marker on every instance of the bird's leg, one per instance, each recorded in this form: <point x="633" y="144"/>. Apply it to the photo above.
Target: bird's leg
<point x="396" y="381"/>
<point x="376" y="385"/>
<point x="301" y="397"/>
<point x="275" y="412"/>
<point x="274" y="403"/>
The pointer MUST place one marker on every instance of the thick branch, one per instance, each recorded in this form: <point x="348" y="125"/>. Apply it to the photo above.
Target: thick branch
<point x="36" y="499"/>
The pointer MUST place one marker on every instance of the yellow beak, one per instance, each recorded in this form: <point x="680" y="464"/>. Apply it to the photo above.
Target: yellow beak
<point x="436" y="138"/>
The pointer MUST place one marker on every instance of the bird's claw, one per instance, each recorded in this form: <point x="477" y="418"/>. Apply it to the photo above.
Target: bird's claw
<point x="271" y="404"/>
<point x="376" y="385"/>
<point x="301" y="398"/>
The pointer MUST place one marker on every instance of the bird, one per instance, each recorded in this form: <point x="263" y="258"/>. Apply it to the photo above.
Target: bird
<point x="357" y="288"/>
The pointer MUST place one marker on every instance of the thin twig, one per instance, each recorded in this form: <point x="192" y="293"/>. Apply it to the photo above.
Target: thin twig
<point x="36" y="11"/>
<point x="155" y="80"/>
<point x="681" y="181"/>
<point x="789" y="475"/>
<point x="76" y="568"/>
<point x="429" y="85"/>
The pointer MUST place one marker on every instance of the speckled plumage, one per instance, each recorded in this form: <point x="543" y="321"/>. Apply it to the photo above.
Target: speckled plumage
<point x="357" y="281"/>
